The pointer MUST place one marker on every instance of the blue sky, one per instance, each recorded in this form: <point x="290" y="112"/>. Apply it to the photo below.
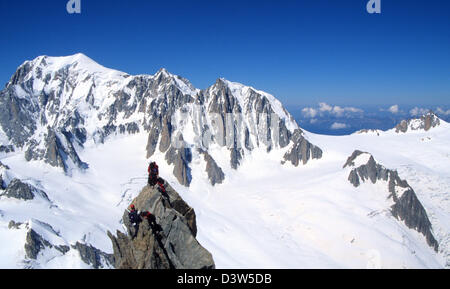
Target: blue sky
<point x="303" y="52"/>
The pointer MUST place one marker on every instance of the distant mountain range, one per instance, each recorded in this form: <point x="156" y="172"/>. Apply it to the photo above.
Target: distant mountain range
<point x="344" y="120"/>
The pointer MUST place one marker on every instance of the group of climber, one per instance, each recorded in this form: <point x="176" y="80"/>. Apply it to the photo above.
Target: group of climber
<point x="136" y="217"/>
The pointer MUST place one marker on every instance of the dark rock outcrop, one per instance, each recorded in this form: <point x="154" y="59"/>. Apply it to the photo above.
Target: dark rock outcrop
<point x="371" y="171"/>
<point x="425" y="122"/>
<point x="407" y="206"/>
<point x="6" y="149"/>
<point x="215" y="173"/>
<point x="3" y="166"/>
<point x="35" y="243"/>
<point x="152" y="141"/>
<point x="57" y="151"/>
<point x="93" y="256"/>
<point x="22" y="191"/>
<point x="2" y="183"/>
<point x="180" y="158"/>
<point x="302" y="150"/>
<point x="352" y="158"/>
<point x="367" y="131"/>
<point x="130" y="128"/>
<point x="235" y="157"/>
<point x="14" y="225"/>
<point x="166" y="134"/>
<point x="16" y="116"/>
<point x="175" y="247"/>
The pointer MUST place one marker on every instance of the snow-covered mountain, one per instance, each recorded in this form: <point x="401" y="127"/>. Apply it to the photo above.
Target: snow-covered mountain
<point x="425" y="122"/>
<point x="53" y="106"/>
<point x="76" y="139"/>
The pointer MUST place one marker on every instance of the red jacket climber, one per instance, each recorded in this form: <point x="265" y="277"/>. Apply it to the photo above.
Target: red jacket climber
<point x="153" y="173"/>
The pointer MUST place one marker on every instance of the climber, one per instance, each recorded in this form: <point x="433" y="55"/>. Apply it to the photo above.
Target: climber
<point x="153" y="173"/>
<point x="161" y="187"/>
<point x="135" y="220"/>
<point x="162" y="190"/>
<point x="152" y="222"/>
<point x="154" y="179"/>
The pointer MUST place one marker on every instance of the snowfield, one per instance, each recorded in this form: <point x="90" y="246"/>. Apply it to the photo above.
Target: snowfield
<point x="264" y="215"/>
<point x="72" y="114"/>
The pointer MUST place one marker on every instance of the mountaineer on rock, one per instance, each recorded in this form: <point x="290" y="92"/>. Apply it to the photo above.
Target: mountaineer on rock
<point x="154" y="179"/>
<point x="135" y="220"/>
<point x="157" y="229"/>
<point x="153" y="172"/>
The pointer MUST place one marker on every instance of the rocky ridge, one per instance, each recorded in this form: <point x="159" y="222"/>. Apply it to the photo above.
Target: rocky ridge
<point x="174" y="248"/>
<point x="406" y="207"/>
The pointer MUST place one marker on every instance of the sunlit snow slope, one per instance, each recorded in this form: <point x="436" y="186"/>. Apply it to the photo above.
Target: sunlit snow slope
<point x="264" y="214"/>
<point x="269" y="215"/>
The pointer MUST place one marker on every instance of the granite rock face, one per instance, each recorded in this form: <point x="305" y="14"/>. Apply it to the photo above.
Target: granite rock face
<point x="302" y="150"/>
<point x="180" y="158"/>
<point x="58" y="151"/>
<point x="23" y="191"/>
<point x="173" y="248"/>
<point x="17" y="117"/>
<point x="215" y="173"/>
<point x="406" y="207"/>
<point x="35" y="243"/>
<point x="245" y="119"/>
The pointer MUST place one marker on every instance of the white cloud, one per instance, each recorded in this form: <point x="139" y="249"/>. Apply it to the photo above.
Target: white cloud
<point x="309" y="112"/>
<point x="394" y="109"/>
<point x="338" y="111"/>
<point x="338" y="125"/>
<point x="442" y="112"/>
<point x="354" y="109"/>
<point x="418" y="111"/>
<point x="325" y="108"/>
